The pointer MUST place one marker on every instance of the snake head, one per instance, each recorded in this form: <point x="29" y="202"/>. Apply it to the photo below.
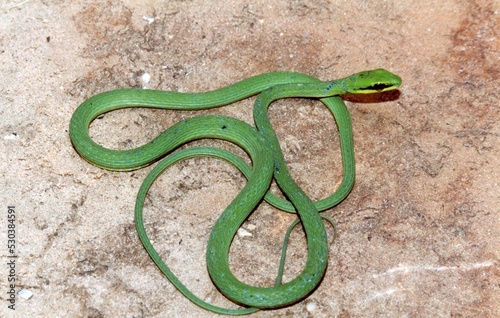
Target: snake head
<point x="374" y="81"/>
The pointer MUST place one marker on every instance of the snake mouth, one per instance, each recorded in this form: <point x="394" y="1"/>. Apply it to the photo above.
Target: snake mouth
<point x="379" y="87"/>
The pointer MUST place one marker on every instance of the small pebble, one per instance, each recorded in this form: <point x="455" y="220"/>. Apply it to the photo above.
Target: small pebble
<point x="149" y="20"/>
<point x="145" y="78"/>
<point x="24" y="293"/>
<point x="243" y="233"/>
<point x="311" y="306"/>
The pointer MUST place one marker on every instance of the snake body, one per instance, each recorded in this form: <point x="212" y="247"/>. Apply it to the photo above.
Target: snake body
<point x="267" y="162"/>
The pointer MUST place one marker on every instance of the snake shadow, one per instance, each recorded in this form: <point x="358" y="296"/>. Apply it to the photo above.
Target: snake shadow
<point x="372" y="98"/>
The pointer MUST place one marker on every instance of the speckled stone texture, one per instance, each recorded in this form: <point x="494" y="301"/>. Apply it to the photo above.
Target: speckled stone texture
<point x="418" y="235"/>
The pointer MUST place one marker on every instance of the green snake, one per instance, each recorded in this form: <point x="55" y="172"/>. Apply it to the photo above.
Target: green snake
<point x="262" y="146"/>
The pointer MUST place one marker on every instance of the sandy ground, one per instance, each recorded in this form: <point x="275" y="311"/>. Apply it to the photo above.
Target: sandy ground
<point x="418" y="235"/>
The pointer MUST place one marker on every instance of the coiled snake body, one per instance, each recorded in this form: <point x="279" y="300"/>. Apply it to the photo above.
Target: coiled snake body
<point x="267" y="162"/>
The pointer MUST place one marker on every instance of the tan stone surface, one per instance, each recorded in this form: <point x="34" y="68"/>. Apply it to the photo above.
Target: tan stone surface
<point x="418" y="235"/>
